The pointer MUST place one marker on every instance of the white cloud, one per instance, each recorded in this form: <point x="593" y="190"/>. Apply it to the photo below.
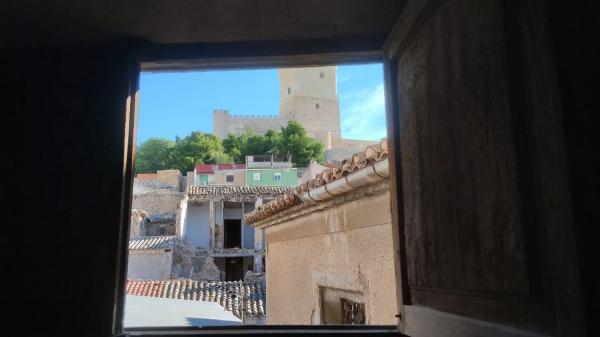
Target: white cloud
<point x="363" y="114"/>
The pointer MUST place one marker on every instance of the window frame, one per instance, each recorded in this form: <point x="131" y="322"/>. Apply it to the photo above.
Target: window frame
<point x="221" y="56"/>
<point x="275" y="175"/>
<point x="227" y="176"/>
<point x="256" y="174"/>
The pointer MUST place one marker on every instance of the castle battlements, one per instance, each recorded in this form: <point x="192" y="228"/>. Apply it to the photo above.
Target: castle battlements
<point x="254" y="117"/>
<point x="230" y="116"/>
<point x="307" y="95"/>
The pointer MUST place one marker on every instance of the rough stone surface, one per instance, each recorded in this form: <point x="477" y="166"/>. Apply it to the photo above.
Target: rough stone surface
<point x="252" y="276"/>
<point x="136" y="222"/>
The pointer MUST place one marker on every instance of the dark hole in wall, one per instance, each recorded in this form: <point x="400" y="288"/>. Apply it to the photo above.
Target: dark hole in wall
<point x="233" y="233"/>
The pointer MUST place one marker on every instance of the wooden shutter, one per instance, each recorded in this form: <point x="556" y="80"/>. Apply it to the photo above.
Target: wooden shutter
<point x="474" y="127"/>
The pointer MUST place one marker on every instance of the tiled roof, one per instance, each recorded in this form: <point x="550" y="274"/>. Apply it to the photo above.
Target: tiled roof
<point x="231" y="191"/>
<point x="211" y="168"/>
<point x="151" y="242"/>
<point x="371" y="155"/>
<point x="248" y="295"/>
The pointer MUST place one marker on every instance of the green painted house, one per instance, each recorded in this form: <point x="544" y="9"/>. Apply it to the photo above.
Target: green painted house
<point x="262" y="170"/>
<point x="272" y="177"/>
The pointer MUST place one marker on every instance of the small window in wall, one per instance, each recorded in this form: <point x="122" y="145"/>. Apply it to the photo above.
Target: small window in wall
<point x="322" y="75"/>
<point x="229" y="178"/>
<point x="340" y="306"/>
<point x="352" y="312"/>
<point x="289" y="90"/>
<point x="277" y="176"/>
<point x="256" y="176"/>
<point x="317" y="105"/>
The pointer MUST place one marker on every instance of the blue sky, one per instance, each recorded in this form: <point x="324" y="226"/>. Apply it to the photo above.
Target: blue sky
<point x="175" y="104"/>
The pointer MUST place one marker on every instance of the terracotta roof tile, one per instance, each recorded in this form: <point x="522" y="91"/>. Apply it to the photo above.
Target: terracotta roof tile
<point x="151" y="242"/>
<point x="371" y="155"/>
<point x="249" y="295"/>
<point x="231" y="191"/>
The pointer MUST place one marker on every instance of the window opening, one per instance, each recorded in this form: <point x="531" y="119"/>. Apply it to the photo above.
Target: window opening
<point x="197" y="199"/>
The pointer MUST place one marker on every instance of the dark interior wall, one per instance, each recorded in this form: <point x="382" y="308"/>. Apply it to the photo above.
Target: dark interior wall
<point x="64" y="113"/>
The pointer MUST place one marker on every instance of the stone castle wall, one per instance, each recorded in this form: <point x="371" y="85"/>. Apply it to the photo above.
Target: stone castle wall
<point x="225" y="123"/>
<point x="308" y="96"/>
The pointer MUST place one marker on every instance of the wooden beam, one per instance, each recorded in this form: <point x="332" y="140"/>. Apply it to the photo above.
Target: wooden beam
<point x="269" y="54"/>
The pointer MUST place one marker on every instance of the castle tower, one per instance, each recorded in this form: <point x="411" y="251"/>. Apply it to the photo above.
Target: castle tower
<point x="309" y="96"/>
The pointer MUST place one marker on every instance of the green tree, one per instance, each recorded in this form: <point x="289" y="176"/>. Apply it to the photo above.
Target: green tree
<point x="154" y="154"/>
<point x="249" y="143"/>
<point x="292" y="141"/>
<point x="198" y="148"/>
<point x="235" y="146"/>
<point x="296" y="143"/>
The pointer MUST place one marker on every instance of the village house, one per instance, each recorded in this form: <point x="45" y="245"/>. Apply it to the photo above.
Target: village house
<point x="329" y="248"/>
<point x="263" y="170"/>
<point x="219" y="174"/>
<point x="150" y="258"/>
<point x="212" y="221"/>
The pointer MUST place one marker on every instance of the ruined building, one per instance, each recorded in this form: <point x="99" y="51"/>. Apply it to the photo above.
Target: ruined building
<point x="212" y="221"/>
<point x="306" y="95"/>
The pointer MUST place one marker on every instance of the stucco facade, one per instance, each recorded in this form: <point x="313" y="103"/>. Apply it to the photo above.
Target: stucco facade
<point x="328" y="251"/>
<point x="272" y="177"/>
<point x="150" y="264"/>
<point x="237" y="177"/>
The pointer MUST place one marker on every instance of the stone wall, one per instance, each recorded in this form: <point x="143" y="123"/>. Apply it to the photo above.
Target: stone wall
<point x="307" y="95"/>
<point x="224" y="123"/>
<point x="136" y="224"/>
<point x="158" y="202"/>
<point x="337" y="246"/>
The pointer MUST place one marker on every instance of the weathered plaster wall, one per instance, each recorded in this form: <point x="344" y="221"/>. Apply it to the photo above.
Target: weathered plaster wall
<point x="220" y="177"/>
<point x="341" y="247"/>
<point x="197" y="226"/>
<point x="150" y="265"/>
